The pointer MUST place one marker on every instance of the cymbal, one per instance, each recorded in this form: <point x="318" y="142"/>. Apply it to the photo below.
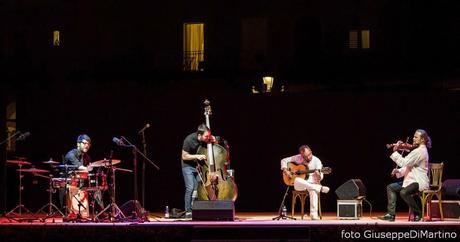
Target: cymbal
<point x="18" y="162"/>
<point x="51" y="162"/>
<point x="68" y="166"/>
<point x="33" y="170"/>
<point x="104" y="162"/>
<point x="20" y="158"/>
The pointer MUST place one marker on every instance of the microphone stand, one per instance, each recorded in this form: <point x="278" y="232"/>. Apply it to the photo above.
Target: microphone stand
<point x="136" y="151"/>
<point x="144" y="145"/>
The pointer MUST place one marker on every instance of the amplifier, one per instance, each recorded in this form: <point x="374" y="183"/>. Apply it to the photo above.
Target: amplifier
<point x="450" y="209"/>
<point x="349" y="209"/>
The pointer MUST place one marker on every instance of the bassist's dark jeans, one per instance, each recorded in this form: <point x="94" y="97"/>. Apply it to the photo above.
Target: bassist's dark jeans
<point x="191" y="180"/>
<point x="406" y="194"/>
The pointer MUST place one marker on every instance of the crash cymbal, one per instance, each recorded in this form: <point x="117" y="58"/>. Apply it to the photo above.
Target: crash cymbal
<point x="18" y="162"/>
<point x="33" y="170"/>
<point x="50" y="162"/>
<point x="104" y="162"/>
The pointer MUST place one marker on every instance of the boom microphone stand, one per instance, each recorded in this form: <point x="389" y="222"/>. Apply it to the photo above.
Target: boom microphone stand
<point x="280" y="211"/>
<point x="138" y="212"/>
<point x="144" y="146"/>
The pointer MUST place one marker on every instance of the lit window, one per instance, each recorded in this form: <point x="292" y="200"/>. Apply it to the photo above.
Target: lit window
<point x="353" y="39"/>
<point x="193" y="47"/>
<point x="365" y="39"/>
<point x="359" y="39"/>
<point x="56" y="38"/>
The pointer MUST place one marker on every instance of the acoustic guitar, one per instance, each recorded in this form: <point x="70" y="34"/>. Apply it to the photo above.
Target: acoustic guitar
<point x="300" y="171"/>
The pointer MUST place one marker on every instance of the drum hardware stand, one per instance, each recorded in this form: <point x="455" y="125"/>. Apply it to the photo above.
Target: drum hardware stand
<point x="50" y="203"/>
<point x="20" y="206"/>
<point x="116" y="212"/>
<point x="139" y="214"/>
<point x="280" y="210"/>
<point x="79" y="218"/>
<point x="15" y="136"/>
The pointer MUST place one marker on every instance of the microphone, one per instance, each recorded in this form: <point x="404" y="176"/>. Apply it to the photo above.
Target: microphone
<point x="23" y="136"/>
<point x="144" y="128"/>
<point x="118" y="141"/>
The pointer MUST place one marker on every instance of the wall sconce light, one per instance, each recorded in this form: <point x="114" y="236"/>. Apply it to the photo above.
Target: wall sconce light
<point x="268" y="83"/>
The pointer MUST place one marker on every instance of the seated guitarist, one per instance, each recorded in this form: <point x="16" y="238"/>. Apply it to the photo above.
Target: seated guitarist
<point x="312" y="183"/>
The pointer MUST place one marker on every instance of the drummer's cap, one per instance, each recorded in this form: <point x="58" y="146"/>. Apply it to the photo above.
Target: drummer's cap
<point x="82" y="137"/>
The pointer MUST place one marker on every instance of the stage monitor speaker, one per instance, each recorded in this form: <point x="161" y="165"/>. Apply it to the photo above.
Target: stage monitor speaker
<point x="133" y="209"/>
<point x="451" y="189"/>
<point x="213" y="210"/>
<point x="352" y="189"/>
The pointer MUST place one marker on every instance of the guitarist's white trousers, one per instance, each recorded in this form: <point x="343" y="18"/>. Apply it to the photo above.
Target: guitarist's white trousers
<point x="313" y="190"/>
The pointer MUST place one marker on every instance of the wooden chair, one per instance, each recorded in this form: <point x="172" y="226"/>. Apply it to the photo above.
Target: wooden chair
<point x="302" y="195"/>
<point x="426" y="196"/>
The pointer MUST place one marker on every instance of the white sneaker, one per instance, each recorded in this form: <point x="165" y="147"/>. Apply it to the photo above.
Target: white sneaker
<point x="325" y="189"/>
<point x="314" y="217"/>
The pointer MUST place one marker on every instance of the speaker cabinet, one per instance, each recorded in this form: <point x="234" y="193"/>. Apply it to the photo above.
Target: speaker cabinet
<point x="350" y="190"/>
<point x="451" y="189"/>
<point x="349" y="209"/>
<point x="213" y="210"/>
<point x="450" y="209"/>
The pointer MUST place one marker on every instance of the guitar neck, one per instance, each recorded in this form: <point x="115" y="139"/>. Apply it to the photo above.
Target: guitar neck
<point x="308" y="171"/>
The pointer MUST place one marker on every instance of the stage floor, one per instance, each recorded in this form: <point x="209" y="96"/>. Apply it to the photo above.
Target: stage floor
<point x="248" y="218"/>
<point x="246" y="227"/>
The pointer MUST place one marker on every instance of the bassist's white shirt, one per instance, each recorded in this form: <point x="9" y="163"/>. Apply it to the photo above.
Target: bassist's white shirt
<point x="314" y="164"/>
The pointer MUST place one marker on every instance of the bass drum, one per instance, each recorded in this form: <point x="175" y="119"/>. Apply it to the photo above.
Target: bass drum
<point x="76" y="195"/>
<point x="226" y="188"/>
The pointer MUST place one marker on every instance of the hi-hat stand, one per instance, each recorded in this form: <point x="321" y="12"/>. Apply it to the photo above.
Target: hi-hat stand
<point x="115" y="211"/>
<point x="280" y="210"/>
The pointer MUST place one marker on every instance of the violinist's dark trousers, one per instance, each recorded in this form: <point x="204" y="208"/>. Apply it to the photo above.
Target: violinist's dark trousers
<point x="406" y="194"/>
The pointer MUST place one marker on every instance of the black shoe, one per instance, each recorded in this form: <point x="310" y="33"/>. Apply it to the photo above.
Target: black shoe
<point x="416" y="218"/>
<point x="387" y="217"/>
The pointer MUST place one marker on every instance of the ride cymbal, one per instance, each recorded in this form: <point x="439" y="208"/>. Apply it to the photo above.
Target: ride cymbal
<point x="104" y="162"/>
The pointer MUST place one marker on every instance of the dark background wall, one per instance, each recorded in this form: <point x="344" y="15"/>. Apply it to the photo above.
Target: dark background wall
<point x="119" y="67"/>
<point x="347" y="130"/>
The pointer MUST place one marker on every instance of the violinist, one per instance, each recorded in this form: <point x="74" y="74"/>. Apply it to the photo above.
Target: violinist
<point x="189" y="160"/>
<point x="414" y="168"/>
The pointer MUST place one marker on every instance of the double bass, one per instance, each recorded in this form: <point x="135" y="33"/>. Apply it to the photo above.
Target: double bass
<point x="217" y="181"/>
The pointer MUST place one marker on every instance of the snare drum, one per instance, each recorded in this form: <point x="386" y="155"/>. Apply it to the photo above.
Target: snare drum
<point x="79" y="179"/>
<point x="58" y="182"/>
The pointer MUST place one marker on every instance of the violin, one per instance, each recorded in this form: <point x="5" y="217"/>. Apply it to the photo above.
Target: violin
<point x="401" y="146"/>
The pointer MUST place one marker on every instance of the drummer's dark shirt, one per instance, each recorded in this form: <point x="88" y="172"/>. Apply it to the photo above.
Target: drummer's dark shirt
<point x="77" y="158"/>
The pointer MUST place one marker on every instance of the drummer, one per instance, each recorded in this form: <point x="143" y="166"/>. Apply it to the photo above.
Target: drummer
<point x="80" y="161"/>
<point x="79" y="157"/>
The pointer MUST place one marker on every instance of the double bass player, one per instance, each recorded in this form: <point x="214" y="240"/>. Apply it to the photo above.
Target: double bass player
<point x="189" y="162"/>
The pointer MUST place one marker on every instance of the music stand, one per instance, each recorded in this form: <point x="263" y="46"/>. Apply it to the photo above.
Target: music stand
<point x="280" y="210"/>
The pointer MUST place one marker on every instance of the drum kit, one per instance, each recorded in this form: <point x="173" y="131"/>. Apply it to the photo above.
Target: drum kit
<point x="77" y="186"/>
